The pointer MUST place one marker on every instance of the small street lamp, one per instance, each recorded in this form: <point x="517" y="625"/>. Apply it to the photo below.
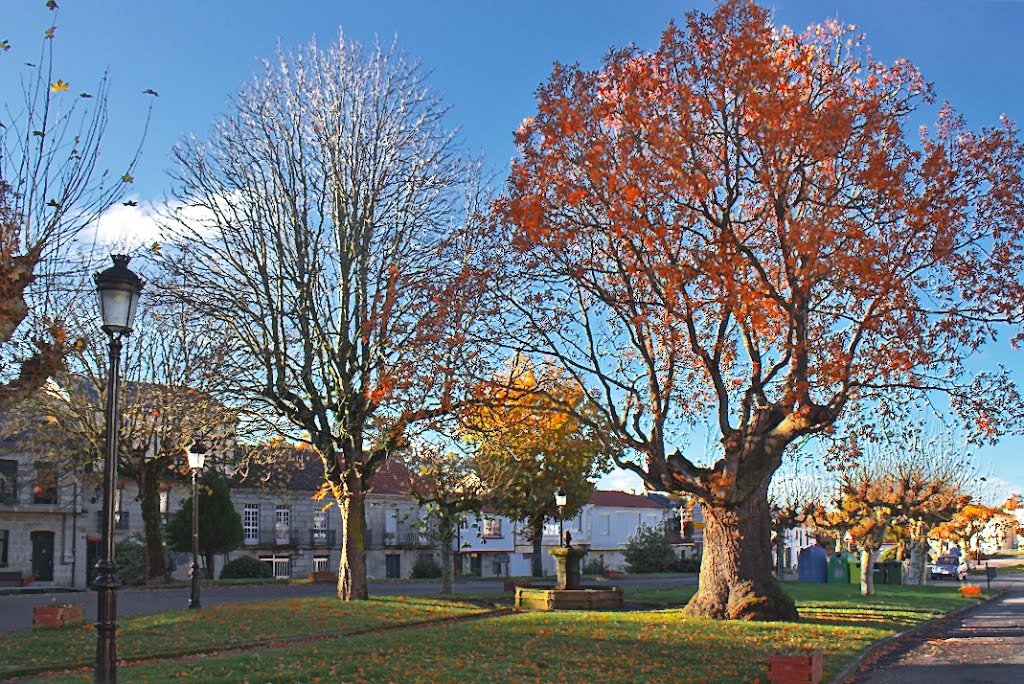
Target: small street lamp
<point x="119" y="289"/>
<point x="560" y="499"/>
<point x="196" y="461"/>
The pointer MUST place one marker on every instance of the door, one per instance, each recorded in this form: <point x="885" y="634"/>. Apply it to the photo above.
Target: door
<point x="476" y="565"/>
<point x="392" y="566"/>
<point x="93" y="551"/>
<point x="42" y="556"/>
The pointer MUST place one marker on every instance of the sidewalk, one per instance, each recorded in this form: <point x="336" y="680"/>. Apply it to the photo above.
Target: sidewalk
<point x="983" y="645"/>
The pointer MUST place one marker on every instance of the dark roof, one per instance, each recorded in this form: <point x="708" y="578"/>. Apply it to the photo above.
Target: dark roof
<point x="302" y="470"/>
<point x="620" y="500"/>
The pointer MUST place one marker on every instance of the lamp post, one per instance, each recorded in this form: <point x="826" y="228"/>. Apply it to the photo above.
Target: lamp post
<point x="196" y="461"/>
<point x="119" y="289"/>
<point x="560" y="499"/>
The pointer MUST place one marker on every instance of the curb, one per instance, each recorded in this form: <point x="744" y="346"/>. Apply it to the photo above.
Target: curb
<point x="845" y="676"/>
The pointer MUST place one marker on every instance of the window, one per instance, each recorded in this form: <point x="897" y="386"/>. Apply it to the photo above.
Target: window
<point x="251" y="523"/>
<point x="8" y="482"/>
<point x="165" y="502"/>
<point x="492" y="527"/>
<point x="5" y="535"/>
<point x="282" y="524"/>
<point x="282" y="565"/>
<point x="121" y="520"/>
<point x="604" y="524"/>
<point x="320" y="564"/>
<point x="319" y="528"/>
<point x="45" y="489"/>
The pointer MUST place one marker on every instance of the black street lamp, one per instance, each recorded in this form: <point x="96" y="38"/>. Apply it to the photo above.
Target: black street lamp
<point x="119" y="289"/>
<point x="196" y="461"/>
<point x="560" y="499"/>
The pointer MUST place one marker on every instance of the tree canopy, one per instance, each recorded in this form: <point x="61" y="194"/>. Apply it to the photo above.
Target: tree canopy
<point x="740" y="225"/>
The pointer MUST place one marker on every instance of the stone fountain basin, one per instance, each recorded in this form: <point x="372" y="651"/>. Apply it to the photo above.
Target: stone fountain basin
<point x="541" y="597"/>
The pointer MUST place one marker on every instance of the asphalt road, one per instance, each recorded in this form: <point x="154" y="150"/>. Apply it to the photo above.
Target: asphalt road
<point x="16" y="609"/>
<point x="984" y="645"/>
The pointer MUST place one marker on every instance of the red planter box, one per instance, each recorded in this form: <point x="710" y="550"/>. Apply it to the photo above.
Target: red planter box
<point x="787" y="668"/>
<point x="58" y="616"/>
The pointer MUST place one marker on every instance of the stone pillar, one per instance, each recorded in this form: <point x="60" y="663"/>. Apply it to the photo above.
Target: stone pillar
<point x="568" y="566"/>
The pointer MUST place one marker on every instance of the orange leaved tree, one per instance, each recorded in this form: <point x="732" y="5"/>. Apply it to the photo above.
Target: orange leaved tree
<point x="738" y="225"/>
<point x="531" y="442"/>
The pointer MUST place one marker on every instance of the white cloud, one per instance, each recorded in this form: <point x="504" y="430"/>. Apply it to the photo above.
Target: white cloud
<point x="128" y="227"/>
<point x="622" y="480"/>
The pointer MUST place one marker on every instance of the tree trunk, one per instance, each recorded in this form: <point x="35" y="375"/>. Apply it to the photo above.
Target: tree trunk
<point x="901" y="550"/>
<point x="867" y="572"/>
<point x="446" y="535"/>
<point x="352" y="567"/>
<point x="918" y="563"/>
<point x="152" y="522"/>
<point x="736" y="580"/>
<point x="208" y="555"/>
<point x="780" y="545"/>
<point x="536" y="560"/>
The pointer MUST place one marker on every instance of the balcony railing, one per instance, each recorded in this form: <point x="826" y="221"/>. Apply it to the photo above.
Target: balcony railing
<point x="321" y="537"/>
<point x="403" y="538"/>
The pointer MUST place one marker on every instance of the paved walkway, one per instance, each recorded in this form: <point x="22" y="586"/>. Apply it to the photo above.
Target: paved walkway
<point x="982" y="646"/>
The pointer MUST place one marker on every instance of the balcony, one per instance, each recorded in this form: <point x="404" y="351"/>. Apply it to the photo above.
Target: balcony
<point x="274" y="539"/>
<point x="319" y="537"/>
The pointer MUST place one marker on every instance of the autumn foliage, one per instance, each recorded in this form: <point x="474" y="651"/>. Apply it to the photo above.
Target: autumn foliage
<point x="741" y="225"/>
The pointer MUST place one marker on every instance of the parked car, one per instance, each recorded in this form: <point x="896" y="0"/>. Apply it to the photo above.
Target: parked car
<point x="949" y="567"/>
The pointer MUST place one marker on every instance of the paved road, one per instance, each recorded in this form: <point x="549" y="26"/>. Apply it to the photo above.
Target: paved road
<point x="984" y="645"/>
<point x="16" y="609"/>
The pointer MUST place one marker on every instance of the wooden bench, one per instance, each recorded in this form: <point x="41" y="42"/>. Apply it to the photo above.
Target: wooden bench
<point x="11" y="578"/>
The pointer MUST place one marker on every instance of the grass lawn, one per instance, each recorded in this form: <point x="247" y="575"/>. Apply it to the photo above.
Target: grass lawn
<point x="221" y="626"/>
<point x="629" y="646"/>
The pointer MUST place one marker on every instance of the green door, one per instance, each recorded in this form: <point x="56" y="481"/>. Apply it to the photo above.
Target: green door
<point x="42" y="556"/>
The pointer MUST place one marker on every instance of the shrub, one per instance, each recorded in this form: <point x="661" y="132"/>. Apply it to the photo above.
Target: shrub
<point x="594" y="566"/>
<point x="246" y="567"/>
<point x="687" y="565"/>
<point x="132" y="562"/>
<point x="426" y="567"/>
<point x="649" y="551"/>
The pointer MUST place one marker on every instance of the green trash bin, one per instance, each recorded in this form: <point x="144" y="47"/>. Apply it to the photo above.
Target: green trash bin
<point x="894" y="572"/>
<point x="880" y="573"/>
<point x="838" y="569"/>
<point x="854" y="571"/>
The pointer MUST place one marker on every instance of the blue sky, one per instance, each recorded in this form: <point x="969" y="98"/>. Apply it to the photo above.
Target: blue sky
<point x="487" y="58"/>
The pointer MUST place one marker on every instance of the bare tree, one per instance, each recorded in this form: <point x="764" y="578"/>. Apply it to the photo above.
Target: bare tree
<point x="51" y="187"/>
<point x="906" y="482"/>
<point x="171" y="370"/>
<point x="316" y="222"/>
<point x="448" y="485"/>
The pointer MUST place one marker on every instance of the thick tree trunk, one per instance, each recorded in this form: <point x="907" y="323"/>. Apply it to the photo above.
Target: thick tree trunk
<point x="446" y="534"/>
<point x="917" y="569"/>
<point x="352" y="567"/>
<point x="867" y="572"/>
<point x="152" y="522"/>
<point x="536" y="560"/>
<point x="736" y="580"/>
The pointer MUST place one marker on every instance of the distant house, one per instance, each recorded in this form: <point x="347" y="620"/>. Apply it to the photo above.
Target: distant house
<point x="51" y="517"/>
<point x="286" y="528"/>
<point x="485" y="545"/>
<point x="611" y="518"/>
